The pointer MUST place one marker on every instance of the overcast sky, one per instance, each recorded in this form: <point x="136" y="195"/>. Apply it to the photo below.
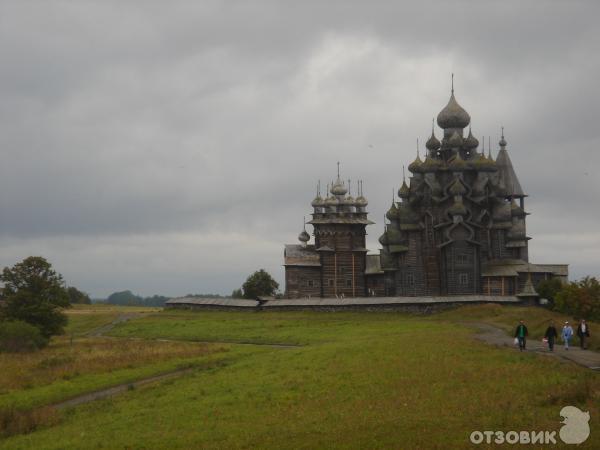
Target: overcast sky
<point x="174" y="147"/>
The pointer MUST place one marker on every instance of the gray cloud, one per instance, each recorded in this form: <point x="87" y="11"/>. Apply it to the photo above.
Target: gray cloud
<point x="175" y="147"/>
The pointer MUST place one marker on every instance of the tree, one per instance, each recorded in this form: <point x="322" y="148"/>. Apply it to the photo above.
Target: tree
<point x="549" y="288"/>
<point x="237" y="293"/>
<point x="260" y="283"/>
<point x="580" y="298"/>
<point x="128" y="298"/>
<point x="124" y="298"/>
<point x="34" y="293"/>
<point x="76" y="296"/>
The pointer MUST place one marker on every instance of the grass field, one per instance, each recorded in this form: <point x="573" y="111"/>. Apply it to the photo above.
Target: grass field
<point x="356" y="380"/>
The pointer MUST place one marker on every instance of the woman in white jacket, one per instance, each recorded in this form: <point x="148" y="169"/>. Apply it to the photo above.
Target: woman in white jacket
<point x="567" y="334"/>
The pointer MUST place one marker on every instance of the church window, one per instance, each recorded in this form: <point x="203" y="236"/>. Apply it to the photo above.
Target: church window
<point x="348" y="283"/>
<point x="462" y="258"/>
<point x="311" y="283"/>
<point x="410" y="279"/>
<point x="330" y="282"/>
<point x="463" y="278"/>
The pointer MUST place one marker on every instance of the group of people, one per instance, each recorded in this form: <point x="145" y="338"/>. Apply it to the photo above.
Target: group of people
<point x="583" y="333"/>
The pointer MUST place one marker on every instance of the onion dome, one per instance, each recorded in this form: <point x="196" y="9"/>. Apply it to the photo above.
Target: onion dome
<point x="457" y="164"/>
<point x="392" y="213"/>
<point x="455" y="141"/>
<point x="471" y="141"/>
<point x="361" y="201"/>
<point x="407" y="214"/>
<point x="501" y="212"/>
<point x="349" y="201"/>
<point x="317" y="202"/>
<point x="431" y="164"/>
<point x="457" y="209"/>
<point x="383" y="239"/>
<point x="338" y="188"/>
<point x="404" y="190"/>
<point x="331" y="201"/>
<point x="457" y="188"/>
<point x="516" y="210"/>
<point x="303" y="237"/>
<point x="481" y="163"/>
<point x="502" y="142"/>
<point x="453" y="115"/>
<point x="415" y="166"/>
<point x="432" y="143"/>
<point x="394" y="236"/>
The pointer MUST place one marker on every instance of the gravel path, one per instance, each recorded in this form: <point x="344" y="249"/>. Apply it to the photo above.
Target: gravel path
<point x="496" y="336"/>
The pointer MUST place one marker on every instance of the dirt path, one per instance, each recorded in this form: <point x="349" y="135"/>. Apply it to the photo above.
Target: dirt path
<point x="496" y="336"/>
<point x="109" y="326"/>
<point x="109" y="392"/>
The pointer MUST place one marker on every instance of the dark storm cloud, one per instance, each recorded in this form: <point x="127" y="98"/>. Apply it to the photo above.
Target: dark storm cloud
<point x="174" y="147"/>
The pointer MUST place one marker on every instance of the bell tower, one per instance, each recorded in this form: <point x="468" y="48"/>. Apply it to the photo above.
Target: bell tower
<point x="339" y="221"/>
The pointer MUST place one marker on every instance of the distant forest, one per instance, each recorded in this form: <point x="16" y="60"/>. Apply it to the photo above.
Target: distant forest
<point x="128" y="298"/>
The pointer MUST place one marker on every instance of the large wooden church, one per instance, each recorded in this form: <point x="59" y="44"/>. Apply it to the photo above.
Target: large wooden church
<point x="459" y="229"/>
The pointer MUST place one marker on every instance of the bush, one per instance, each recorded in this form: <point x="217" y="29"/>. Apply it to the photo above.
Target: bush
<point x="18" y="336"/>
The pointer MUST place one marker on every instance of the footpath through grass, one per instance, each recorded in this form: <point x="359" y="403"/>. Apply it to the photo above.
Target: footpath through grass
<point x="86" y="318"/>
<point x="362" y="380"/>
<point x="537" y="320"/>
<point x="72" y="365"/>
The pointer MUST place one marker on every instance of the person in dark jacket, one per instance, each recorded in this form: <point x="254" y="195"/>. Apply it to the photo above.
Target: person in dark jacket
<point x="583" y="332"/>
<point x="551" y="335"/>
<point x="521" y="334"/>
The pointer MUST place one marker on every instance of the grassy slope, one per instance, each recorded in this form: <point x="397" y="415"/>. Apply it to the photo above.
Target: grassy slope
<point x="364" y="381"/>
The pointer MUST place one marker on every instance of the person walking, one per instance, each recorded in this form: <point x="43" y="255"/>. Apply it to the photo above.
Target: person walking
<point x="551" y="335"/>
<point x="583" y="332"/>
<point x="567" y="334"/>
<point x="521" y="334"/>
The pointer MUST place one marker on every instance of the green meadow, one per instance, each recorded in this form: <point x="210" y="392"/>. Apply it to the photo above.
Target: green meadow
<point x="289" y="380"/>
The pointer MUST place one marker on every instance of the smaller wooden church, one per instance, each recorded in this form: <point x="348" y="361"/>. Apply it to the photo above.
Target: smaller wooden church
<point x="335" y="265"/>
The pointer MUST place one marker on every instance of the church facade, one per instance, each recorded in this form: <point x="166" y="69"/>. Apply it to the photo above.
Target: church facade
<point x="458" y="229"/>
